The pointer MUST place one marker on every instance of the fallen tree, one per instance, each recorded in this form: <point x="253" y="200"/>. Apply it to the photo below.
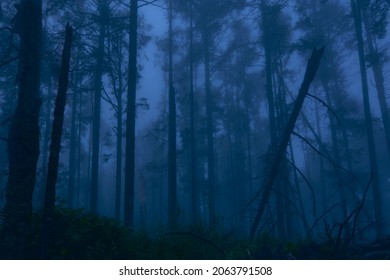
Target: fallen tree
<point x="311" y="70"/>
<point x="55" y="146"/>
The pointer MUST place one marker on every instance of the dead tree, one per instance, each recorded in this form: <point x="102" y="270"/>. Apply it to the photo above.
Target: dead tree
<point x="269" y="180"/>
<point x="55" y="144"/>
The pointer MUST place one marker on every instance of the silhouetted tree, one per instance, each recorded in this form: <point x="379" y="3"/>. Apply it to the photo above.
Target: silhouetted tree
<point x="23" y="139"/>
<point x="103" y="10"/>
<point x="55" y="144"/>
<point x="172" y="181"/>
<point x="131" y="114"/>
<point x="357" y="16"/>
<point x="375" y="21"/>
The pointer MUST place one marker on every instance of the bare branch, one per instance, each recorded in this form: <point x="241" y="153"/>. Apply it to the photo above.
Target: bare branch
<point x="326" y="157"/>
<point x="327" y="106"/>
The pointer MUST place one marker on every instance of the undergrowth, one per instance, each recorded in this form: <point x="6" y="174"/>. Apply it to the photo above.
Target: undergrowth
<point x="77" y="235"/>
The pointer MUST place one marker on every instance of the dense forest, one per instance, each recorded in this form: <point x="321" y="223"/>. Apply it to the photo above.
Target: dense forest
<point x="194" y="129"/>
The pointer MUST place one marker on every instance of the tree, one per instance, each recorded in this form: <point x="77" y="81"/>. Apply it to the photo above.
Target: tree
<point x="235" y="118"/>
<point x="8" y="68"/>
<point x="117" y="70"/>
<point x="23" y="139"/>
<point x="187" y="11"/>
<point x="269" y="180"/>
<point x="194" y="188"/>
<point x="357" y="16"/>
<point x="103" y="17"/>
<point x="55" y="144"/>
<point x="208" y="23"/>
<point x="172" y="181"/>
<point x="326" y="23"/>
<point x="374" y="20"/>
<point x="130" y="120"/>
<point x="275" y="37"/>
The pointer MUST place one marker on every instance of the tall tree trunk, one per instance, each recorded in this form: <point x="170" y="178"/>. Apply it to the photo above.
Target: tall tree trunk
<point x="46" y="141"/>
<point x="194" y="190"/>
<point x="321" y="163"/>
<point x="249" y="149"/>
<point x="23" y="139"/>
<point x="55" y="145"/>
<point x="299" y="192"/>
<point x="268" y="71"/>
<point x="270" y="85"/>
<point x="97" y="110"/>
<point x="79" y="154"/>
<point x="335" y="149"/>
<point x="73" y="141"/>
<point x="119" y="135"/>
<point x="210" y="129"/>
<point x="378" y="77"/>
<point x="130" y="121"/>
<point x="172" y="181"/>
<point x="378" y="209"/>
<point x="46" y="78"/>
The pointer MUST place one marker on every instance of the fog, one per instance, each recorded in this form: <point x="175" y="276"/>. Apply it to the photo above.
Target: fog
<point x="198" y="117"/>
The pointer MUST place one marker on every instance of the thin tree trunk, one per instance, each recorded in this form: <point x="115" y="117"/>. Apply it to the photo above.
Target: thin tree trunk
<point x="378" y="208"/>
<point x="210" y="130"/>
<point x="119" y="135"/>
<point x="299" y="192"/>
<point x="269" y="180"/>
<point x="172" y="181"/>
<point x="72" y="149"/>
<point x="322" y="167"/>
<point x="268" y="72"/>
<point x="194" y="190"/>
<point x="46" y="141"/>
<point x="130" y="121"/>
<point x="282" y="201"/>
<point x="79" y="157"/>
<point x="46" y="74"/>
<point x="335" y="149"/>
<point x="265" y="20"/>
<point x="97" y="111"/>
<point x="379" y="81"/>
<point x="249" y="156"/>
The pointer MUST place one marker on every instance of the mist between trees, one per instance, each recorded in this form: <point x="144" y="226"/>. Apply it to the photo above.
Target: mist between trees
<point x="262" y="118"/>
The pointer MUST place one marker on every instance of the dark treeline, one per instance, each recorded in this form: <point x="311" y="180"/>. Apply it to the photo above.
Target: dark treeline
<point x="273" y="119"/>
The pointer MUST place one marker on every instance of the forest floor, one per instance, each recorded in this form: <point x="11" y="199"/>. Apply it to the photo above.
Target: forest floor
<point x="80" y="236"/>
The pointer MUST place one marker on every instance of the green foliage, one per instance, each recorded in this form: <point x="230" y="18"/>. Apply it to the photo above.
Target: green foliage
<point x="77" y="235"/>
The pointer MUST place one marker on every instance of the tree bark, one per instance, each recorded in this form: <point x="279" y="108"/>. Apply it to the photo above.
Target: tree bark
<point x="23" y="139"/>
<point x="130" y="121"/>
<point x="55" y="145"/>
